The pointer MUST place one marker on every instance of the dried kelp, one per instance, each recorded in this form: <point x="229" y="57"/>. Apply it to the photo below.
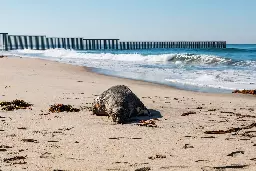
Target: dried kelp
<point x="148" y="123"/>
<point x="56" y="108"/>
<point x="231" y="129"/>
<point x="245" y="91"/>
<point x="9" y="160"/>
<point x="14" y="105"/>
<point x="188" y="113"/>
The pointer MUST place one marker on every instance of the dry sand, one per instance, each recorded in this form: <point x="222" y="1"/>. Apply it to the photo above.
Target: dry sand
<point x="81" y="141"/>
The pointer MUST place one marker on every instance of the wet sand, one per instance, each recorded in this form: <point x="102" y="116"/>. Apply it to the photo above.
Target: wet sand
<point x="34" y="139"/>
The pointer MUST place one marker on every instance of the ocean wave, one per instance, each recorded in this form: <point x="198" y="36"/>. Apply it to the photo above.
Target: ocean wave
<point x="234" y="50"/>
<point x="173" y="68"/>
<point x="176" y="58"/>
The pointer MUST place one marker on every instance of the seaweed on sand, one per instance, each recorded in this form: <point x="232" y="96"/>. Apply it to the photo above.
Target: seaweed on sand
<point x="14" y="105"/>
<point x="56" y="108"/>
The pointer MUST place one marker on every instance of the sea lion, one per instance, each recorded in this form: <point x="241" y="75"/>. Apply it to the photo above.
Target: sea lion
<point x="119" y="103"/>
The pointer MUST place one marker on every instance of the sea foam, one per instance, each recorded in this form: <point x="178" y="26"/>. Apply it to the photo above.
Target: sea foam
<point x="176" y="69"/>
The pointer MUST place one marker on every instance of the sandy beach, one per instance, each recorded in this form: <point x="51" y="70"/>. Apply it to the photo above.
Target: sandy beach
<point x="82" y="141"/>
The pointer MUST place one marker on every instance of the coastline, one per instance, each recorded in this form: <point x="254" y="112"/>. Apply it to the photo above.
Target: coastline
<point x="81" y="141"/>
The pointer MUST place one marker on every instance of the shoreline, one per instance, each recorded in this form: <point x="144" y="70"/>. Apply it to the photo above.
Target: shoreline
<point x="81" y="141"/>
<point x="91" y="69"/>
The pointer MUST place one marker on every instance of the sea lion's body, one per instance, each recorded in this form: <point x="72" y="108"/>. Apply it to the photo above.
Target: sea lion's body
<point x="119" y="103"/>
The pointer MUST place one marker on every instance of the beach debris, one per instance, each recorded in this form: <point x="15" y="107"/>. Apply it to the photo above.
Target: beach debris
<point x="1" y="56"/>
<point x="158" y="156"/>
<point x="119" y="103"/>
<point x="249" y="134"/>
<point x="56" y="108"/>
<point x="235" y="152"/>
<point x="16" y="160"/>
<point x="5" y="146"/>
<point x="147" y="123"/>
<point x="231" y="129"/>
<point x="244" y="116"/>
<point x="245" y="91"/>
<point x="200" y="161"/>
<point x="29" y="140"/>
<point x="227" y="112"/>
<point x="143" y="169"/>
<point x="208" y="137"/>
<point x="235" y="166"/>
<point x="24" y="128"/>
<point x="188" y="113"/>
<point x="14" y="105"/>
<point x="188" y="146"/>
<point x="45" y="155"/>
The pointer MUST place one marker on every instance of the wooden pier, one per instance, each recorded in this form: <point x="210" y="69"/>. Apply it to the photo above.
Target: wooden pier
<point x="41" y="42"/>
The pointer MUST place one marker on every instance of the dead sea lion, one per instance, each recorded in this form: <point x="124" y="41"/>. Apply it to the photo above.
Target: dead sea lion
<point x="119" y="103"/>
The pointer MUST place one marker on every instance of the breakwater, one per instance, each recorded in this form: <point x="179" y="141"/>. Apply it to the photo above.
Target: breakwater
<point x="42" y="42"/>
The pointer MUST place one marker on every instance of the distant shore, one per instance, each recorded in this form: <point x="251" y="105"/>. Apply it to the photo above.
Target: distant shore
<point x="81" y="141"/>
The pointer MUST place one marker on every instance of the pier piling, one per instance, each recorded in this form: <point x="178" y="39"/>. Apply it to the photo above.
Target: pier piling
<point x="10" y="42"/>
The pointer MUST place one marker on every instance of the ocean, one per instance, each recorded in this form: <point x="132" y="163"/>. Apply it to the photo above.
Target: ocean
<point x="204" y="70"/>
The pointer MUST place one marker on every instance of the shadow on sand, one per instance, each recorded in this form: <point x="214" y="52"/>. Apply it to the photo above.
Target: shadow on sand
<point x="154" y="115"/>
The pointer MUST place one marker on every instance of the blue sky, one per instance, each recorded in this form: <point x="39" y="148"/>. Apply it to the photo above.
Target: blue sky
<point x="230" y="20"/>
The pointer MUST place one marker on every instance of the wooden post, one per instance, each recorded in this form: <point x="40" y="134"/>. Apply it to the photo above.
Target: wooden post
<point x="30" y="38"/>
<point x="72" y="43"/>
<point x="105" y="44"/>
<point x="100" y="44"/>
<point x="26" y="42"/>
<point x="96" y="45"/>
<point x="108" y="44"/>
<point x="86" y="44"/>
<point x="63" y="43"/>
<point x="5" y="41"/>
<point x="47" y="43"/>
<point x="124" y="48"/>
<point x="77" y="47"/>
<point x="113" y="44"/>
<point x="117" y="44"/>
<point x="20" y="42"/>
<point x="81" y="44"/>
<point x="42" y="43"/>
<point x="93" y="44"/>
<point x="58" y="43"/>
<point x="16" y="42"/>
<point x="120" y="46"/>
<point x="66" y="42"/>
<point x="37" y="42"/>
<point x="52" y="43"/>
<point x="89" y="45"/>
<point x="10" y="42"/>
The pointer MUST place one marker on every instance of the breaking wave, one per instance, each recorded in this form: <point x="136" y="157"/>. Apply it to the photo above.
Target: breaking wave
<point x="193" y="70"/>
<point x="185" y="58"/>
